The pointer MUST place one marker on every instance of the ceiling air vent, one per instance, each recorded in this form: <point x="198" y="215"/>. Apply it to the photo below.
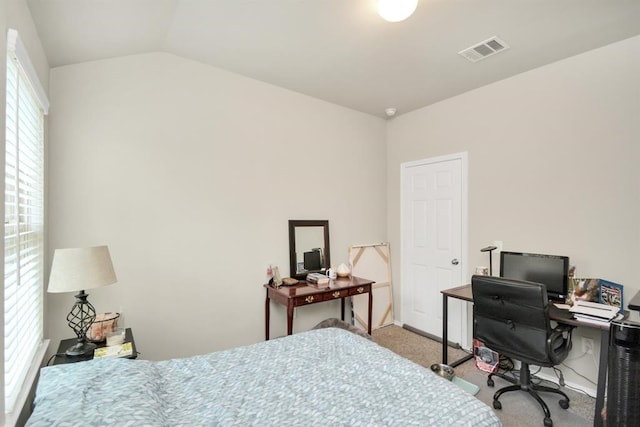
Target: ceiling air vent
<point x="484" y="49"/>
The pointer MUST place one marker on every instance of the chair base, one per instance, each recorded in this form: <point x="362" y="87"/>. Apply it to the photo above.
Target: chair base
<point x="525" y="384"/>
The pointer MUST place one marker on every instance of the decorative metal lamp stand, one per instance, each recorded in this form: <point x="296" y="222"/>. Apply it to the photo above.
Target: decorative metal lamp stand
<point x="75" y="270"/>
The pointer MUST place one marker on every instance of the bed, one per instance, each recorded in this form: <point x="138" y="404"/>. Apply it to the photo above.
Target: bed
<point x="321" y="377"/>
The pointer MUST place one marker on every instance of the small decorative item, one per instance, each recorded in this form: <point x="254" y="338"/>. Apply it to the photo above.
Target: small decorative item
<point x="583" y="289"/>
<point x="289" y="281"/>
<point x="269" y="274"/>
<point x="482" y="271"/>
<point x="102" y="326"/>
<point x="277" y="280"/>
<point x="343" y="270"/>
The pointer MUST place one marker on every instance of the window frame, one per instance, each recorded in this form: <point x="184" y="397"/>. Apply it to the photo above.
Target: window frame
<point x="25" y="214"/>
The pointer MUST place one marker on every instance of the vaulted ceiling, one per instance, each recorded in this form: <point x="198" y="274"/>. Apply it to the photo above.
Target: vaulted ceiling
<point x="340" y="51"/>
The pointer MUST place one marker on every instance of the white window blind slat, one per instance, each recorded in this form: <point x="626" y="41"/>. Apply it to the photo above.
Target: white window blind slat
<point x="24" y="219"/>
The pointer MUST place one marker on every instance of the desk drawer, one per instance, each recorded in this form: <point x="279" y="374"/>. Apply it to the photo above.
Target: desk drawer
<point x="337" y="294"/>
<point x="360" y="290"/>
<point x="309" y="299"/>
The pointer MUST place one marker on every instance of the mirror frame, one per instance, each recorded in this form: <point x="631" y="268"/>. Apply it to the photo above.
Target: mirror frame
<point x="293" y="224"/>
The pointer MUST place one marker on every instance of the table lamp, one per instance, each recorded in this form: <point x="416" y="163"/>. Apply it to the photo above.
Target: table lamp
<point x="74" y="270"/>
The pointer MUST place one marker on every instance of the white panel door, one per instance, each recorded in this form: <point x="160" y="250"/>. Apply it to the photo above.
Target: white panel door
<point x="433" y="243"/>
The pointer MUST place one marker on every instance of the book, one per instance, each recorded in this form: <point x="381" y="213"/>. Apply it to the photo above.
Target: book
<point x="317" y="278"/>
<point x="120" y="350"/>
<point x="611" y="294"/>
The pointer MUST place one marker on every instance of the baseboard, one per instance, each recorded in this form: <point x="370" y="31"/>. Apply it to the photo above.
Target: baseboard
<point x="430" y="336"/>
<point x="552" y="378"/>
<point x="548" y="375"/>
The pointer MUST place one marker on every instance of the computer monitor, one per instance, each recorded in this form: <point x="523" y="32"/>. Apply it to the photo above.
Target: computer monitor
<point x="551" y="270"/>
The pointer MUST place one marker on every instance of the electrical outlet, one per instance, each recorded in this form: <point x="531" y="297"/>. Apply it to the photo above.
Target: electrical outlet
<point x="587" y="345"/>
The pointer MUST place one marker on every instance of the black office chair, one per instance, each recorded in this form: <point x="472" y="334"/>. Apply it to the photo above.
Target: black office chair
<point x="511" y="317"/>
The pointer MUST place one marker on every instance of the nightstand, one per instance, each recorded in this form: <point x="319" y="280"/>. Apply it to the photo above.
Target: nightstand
<point x="65" y="344"/>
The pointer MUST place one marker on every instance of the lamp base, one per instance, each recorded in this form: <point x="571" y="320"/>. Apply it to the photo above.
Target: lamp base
<point x="80" y="349"/>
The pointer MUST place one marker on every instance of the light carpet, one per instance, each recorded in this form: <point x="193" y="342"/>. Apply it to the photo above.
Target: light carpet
<point x="518" y="408"/>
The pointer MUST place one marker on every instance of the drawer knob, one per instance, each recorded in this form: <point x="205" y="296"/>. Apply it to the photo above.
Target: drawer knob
<point x="336" y="294"/>
<point x="309" y="299"/>
<point x="360" y="290"/>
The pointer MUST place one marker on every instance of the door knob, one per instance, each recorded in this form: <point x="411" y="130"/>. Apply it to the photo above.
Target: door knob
<point x="455" y="261"/>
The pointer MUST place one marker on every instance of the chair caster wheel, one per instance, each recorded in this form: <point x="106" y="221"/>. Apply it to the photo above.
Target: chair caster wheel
<point x="490" y="382"/>
<point x="498" y="405"/>
<point x="564" y="404"/>
<point x="548" y="422"/>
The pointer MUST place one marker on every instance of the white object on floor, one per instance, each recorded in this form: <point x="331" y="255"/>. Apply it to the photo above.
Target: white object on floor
<point x="466" y="385"/>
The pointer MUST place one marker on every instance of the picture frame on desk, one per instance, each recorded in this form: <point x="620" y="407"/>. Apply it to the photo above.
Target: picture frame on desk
<point x="612" y="294"/>
<point x="584" y="289"/>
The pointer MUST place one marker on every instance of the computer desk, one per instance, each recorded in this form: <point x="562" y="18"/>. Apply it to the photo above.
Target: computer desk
<point x="464" y="293"/>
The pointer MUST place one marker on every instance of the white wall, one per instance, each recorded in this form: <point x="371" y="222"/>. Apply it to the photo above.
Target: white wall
<point x="553" y="165"/>
<point x="190" y="175"/>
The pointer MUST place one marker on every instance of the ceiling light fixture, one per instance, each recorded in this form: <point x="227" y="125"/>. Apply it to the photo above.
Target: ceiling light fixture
<point x="396" y="10"/>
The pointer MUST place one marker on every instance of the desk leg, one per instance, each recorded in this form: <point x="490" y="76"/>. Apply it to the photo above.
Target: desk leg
<point x="266" y="317"/>
<point x="342" y="307"/>
<point x="370" y="310"/>
<point x="290" y="317"/>
<point x="445" y="322"/>
<point x="602" y="377"/>
<point x="445" y="336"/>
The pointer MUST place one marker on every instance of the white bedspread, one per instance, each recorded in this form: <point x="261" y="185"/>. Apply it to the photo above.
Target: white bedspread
<point x="324" y="377"/>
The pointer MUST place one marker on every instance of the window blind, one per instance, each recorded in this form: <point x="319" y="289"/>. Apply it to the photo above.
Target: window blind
<point x="24" y="228"/>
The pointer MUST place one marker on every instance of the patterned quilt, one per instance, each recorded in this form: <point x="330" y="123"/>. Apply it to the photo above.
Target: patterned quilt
<point x="323" y="377"/>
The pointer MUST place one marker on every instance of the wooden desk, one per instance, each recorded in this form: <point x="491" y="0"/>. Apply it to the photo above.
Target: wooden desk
<point x="464" y="293"/>
<point x="305" y="293"/>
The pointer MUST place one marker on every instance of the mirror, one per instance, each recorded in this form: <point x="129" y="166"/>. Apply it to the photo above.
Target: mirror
<point x="308" y="247"/>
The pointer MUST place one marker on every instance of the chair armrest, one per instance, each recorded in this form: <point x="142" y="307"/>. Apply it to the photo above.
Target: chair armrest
<point x="563" y="327"/>
<point x="559" y="343"/>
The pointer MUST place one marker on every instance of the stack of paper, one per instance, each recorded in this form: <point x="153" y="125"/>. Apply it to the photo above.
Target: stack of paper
<point x="594" y="312"/>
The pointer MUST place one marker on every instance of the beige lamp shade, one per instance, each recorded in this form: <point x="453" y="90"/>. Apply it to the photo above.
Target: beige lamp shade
<point x="77" y="269"/>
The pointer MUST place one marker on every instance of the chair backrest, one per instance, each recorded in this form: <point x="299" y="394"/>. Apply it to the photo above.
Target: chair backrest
<point x="512" y="317"/>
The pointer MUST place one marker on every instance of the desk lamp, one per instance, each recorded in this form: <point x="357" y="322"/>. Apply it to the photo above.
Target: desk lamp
<point x="489" y="249"/>
<point x="74" y="270"/>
